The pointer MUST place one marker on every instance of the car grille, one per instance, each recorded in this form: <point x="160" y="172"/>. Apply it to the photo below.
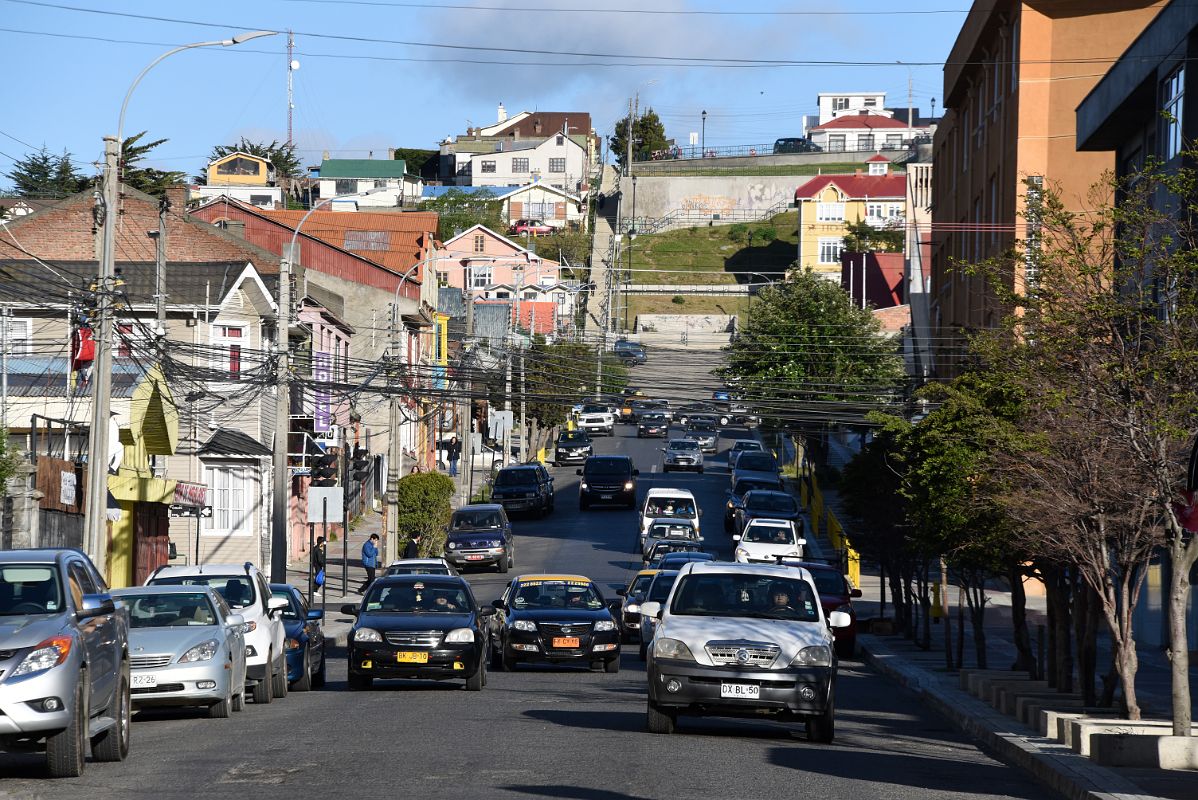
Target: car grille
<point x="564" y="628"/>
<point x="162" y="687"/>
<point x="414" y="638"/>
<point x="149" y="662"/>
<point x="756" y="654"/>
<point x="594" y="421"/>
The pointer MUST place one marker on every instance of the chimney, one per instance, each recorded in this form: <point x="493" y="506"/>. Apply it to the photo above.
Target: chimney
<point x="235" y="227"/>
<point x="857" y="173"/>
<point x="177" y="195"/>
<point x="390" y="153"/>
<point x="324" y="156"/>
<point x="502" y="113"/>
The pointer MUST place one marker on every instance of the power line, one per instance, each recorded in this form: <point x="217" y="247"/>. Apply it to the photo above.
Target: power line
<point x="640" y="11"/>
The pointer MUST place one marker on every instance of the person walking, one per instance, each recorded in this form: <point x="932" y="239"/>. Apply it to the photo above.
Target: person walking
<point x="370" y="560"/>
<point x="453" y="453"/>
<point x="412" y="549"/>
<point x="319" y="561"/>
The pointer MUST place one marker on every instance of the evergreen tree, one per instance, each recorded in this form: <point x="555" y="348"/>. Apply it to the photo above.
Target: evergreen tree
<point x="648" y="134"/>
<point x="145" y="179"/>
<point x="43" y="174"/>
<point x="282" y="156"/>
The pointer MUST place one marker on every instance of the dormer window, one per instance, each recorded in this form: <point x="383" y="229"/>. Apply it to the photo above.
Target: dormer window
<point x="879" y="167"/>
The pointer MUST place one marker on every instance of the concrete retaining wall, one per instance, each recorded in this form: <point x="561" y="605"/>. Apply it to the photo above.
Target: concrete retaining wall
<point x="659" y="196"/>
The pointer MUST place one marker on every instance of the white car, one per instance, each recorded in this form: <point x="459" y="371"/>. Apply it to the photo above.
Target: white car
<point x="743" y="640"/>
<point x="596" y="418"/>
<point x="663" y="503"/>
<point x="420" y="566"/>
<point x="763" y="540"/>
<point x="245" y="590"/>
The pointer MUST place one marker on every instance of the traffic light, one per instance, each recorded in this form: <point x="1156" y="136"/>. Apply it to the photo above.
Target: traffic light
<point x="324" y="470"/>
<point x="360" y="464"/>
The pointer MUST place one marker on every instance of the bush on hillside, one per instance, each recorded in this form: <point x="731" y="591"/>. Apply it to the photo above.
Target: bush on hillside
<point x="678" y="300"/>
<point x="738" y="232"/>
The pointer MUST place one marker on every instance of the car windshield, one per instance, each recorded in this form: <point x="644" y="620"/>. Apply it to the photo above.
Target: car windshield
<point x="681" y="507"/>
<point x="238" y="590"/>
<point x="758" y="501"/>
<point x="557" y="594"/>
<point x="713" y="594"/>
<point x="661" y="548"/>
<point x="679" y="444"/>
<point x="594" y="409"/>
<point x="640" y="584"/>
<point x="829" y="583"/>
<point x="653" y="419"/>
<point x="516" y="477"/>
<point x="747" y="444"/>
<point x="416" y="598"/>
<point x="574" y="437"/>
<point x="409" y="569"/>
<point x="672" y="532"/>
<point x="169" y="609"/>
<point x="293" y="610"/>
<point x="768" y="534"/>
<point x="474" y="520"/>
<point x="743" y="487"/>
<point x="607" y="466"/>
<point x="762" y="462"/>
<point x="29" y="589"/>
<point x="660" y="589"/>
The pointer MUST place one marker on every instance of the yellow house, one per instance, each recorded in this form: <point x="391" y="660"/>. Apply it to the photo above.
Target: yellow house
<point x="828" y="204"/>
<point x="244" y="177"/>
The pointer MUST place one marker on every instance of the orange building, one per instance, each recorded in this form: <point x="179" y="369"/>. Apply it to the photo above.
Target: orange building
<point x="1012" y="83"/>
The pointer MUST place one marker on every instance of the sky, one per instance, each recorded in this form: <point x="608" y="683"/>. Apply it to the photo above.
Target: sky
<point x="375" y="74"/>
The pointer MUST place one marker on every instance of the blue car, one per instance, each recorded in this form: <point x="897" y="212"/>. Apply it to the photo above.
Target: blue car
<point x="304" y="643"/>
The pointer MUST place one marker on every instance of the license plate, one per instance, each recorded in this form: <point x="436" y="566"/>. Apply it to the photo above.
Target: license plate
<point x="606" y="496"/>
<point x="741" y="691"/>
<point x="144" y="681"/>
<point x="412" y="658"/>
<point x="565" y="641"/>
<point x="474" y="558"/>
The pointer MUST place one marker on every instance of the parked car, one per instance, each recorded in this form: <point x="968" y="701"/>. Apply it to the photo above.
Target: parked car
<point x="762" y="541"/>
<point x="795" y="144"/>
<point x="633" y="593"/>
<point x="836" y="594"/>
<point x="481" y="535"/>
<point x="535" y="227"/>
<point x="305" y="639"/>
<point x="596" y="418"/>
<point x="64" y="660"/>
<point x="607" y="479"/>
<point x="670" y="529"/>
<point x="657" y="592"/>
<point x="528" y="487"/>
<point x="742" y="486"/>
<point x="743" y="446"/>
<point x="557" y="619"/>
<point x="666" y="502"/>
<point x="623" y="346"/>
<point x="572" y="446"/>
<point x="245" y="591"/>
<point x="743" y="640"/>
<point x="418" y="626"/>
<point x="652" y="425"/>
<point x="420" y="566"/>
<point x="188" y="649"/>
<point x="682" y="454"/>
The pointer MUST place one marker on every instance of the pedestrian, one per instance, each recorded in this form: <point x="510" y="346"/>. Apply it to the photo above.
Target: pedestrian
<point x="370" y="560"/>
<point x="453" y="452"/>
<point x="319" y="561"/>
<point x="412" y="549"/>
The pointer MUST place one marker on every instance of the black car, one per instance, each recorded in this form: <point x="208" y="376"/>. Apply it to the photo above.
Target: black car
<point x="677" y="559"/>
<point x="573" y="446"/>
<point x="652" y="424"/>
<point x="633" y="355"/>
<point x="657" y="551"/>
<point x="480" y="535"/>
<point x="795" y="144"/>
<point x="624" y="347"/>
<point x="558" y="619"/>
<point x="528" y="487"/>
<point x="767" y="504"/>
<point x="418" y="626"/>
<point x="607" y="479"/>
<point x="742" y="487"/>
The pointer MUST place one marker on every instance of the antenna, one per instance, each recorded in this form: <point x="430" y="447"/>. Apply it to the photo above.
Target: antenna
<point x="292" y="66"/>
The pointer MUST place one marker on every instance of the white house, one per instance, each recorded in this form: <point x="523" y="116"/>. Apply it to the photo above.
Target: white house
<point x="558" y="161"/>
<point x="864" y="132"/>
<point x="388" y="180"/>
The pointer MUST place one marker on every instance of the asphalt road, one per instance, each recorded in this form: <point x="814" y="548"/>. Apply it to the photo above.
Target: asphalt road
<point x="542" y="732"/>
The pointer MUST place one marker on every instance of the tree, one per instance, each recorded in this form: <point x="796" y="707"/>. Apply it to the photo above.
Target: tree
<point x="558" y="374"/>
<point x="8" y="462"/>
<point x="423" y="508"/>
<point x="865" y="238"/>
<point x="648" y="134"/>
<point x="281" y="156"/>
<point x="415" y="159"/>
<point x="458" y="211"/>
<point x="43" y="174"/>
<point x="573" y="248"/>
<point x="145" y="179"/>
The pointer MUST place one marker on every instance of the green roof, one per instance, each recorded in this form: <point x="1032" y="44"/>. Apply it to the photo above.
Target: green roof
<point x="362" y="168"/>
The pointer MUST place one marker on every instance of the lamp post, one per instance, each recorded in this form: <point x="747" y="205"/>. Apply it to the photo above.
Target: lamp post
<point x="703" y="137"/>
<point x="98" y="436"/>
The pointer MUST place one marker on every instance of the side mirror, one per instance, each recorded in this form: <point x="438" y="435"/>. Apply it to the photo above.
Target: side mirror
<point x="351" y="610"/>
<point x="651" y="609"/>
<point x="636" y="472"/>
<point x="497" y="603"/>
<point x="578" y="472"/>
<point x="736" y="537"/>
<point x="315" y="613"/>
<point x="622" y="592"/>
<point x="96" y="605"/>
<point x="276" y="603"/>
<point x="616" y="606"/>
<point x="234" y="621"/>
<point x="854" y="593"/>
<point x="839" y="619"/>
<point x="699" y="539"/>
<point x="700" y="512"/>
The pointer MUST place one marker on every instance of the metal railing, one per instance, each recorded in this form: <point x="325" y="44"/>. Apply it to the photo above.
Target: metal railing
<point x="687" y="217"/>
<point x="679" y="153"/>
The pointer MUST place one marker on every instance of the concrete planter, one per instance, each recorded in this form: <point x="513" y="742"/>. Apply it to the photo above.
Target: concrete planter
<point x="969" y="677"/>
<point x="1079" y="732"/>
<point x="1052" y="720"/>
<point x="1144" y="749"/>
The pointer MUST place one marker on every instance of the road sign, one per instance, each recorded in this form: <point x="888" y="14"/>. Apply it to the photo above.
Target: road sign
<point x="177" y="511"/>
<point x="324" y="504"/>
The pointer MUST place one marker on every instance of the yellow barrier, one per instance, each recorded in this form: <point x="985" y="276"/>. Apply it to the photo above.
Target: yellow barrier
<point x="836" y="534"/>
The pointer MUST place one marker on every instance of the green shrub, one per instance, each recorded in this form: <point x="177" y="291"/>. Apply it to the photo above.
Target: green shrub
<point x="738" y="232"/>
<point x="767" y="234"/>
<point x="678" y="300"/>
<point x="423" y="500"/>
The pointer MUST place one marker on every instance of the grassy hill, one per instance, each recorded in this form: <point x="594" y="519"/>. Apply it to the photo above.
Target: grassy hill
<point x="709" y="254"/>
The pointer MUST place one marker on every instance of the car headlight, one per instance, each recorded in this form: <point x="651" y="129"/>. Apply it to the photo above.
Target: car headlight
<point x="367" y="635"/>
<point x="249" y="627"/>
<point x="524" y="625"/>
<point x="292" y="644"/>
<point x="633" y="608"/>
<point x="740" y="551"/>
<point x="730" y="504"/>
<point x="671" y="648"/>
<point x="495" y="542"/>
<point x="459" y="636"/>
<point x="583" y="485"/>
<point x="47" y="654"/>
<point x="604" y="625"/>
<point x="815" y="656"/>
<point x="628" y="486"/>
<point x="453" y="545"/>
<point x="204" y="651"/>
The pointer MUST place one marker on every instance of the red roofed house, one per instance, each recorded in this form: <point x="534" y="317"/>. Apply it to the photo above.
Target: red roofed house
<point x="863" y="132"/>
<point x="827" y="204"/>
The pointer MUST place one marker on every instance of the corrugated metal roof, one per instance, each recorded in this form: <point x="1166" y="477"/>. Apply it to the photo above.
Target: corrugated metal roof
<point x="363" y="168"/>
<point x="46" y="376"/>
<point x="450" y="301"/>
<point x="492" y="320"/>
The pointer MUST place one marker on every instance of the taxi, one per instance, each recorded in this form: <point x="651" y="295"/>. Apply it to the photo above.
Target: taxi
<point x="561" y="619"/>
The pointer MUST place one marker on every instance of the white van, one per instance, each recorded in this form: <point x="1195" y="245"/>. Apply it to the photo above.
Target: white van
<point x="667" y="503"/>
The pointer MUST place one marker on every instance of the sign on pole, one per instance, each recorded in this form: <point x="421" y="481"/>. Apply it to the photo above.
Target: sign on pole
<point x="325" y="504"/>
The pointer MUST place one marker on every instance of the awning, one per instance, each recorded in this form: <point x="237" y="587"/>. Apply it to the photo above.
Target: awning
<point x="228" y="442"/>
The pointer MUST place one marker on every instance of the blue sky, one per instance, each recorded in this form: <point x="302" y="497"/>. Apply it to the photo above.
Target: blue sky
<point x="353" y="96"/>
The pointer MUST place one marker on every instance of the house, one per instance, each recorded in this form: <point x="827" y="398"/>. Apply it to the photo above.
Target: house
<point x="1009" y="128"/>
<point x="246" y="177"/>
<point x="13" y="207"/>
<point x="858" y="132"/>
<point x="388" y="181"/>
<point x="555" y="207"/>
<point x="557" y="160"/>
<point x="828" y="204"/>
<point x="527" y="127"/>
<point x="479" y="259"/>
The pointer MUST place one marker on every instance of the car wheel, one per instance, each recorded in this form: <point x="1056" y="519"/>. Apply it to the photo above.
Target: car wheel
<point x="319" y="678"/>
<point x="222" y="708"/>
<point x="502" y="566"/>
<point x="360" y="683"/>
<point x="506" y="663"/>
<point x="304" y="683"/>
<point x="664" y="469"/>
<point x="64" y="750"/>
<point x="822" y="729"/>
<point x="476" y="681"/>
<point x="612" y="666"/>
<point x="278" y="682"/>
<point x="113" y="744"/>
<point x="658" y="721"/>
<point x="724" y="421"/>
<point x="262" y="692"/>
<point x="239" y="701"/>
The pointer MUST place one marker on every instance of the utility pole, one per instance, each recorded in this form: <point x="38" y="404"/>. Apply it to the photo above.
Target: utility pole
<point x="164" y="206"/>
<point x="629" y="142"/>
<point x="97" y="451"/>
<point x="523" y="414"/>
<point x="395" y="450"/>
<point x="292" y="65"/>
<point x="5" y="324"/>
<point x="280" y="518"/>
<point x="910" y="108"/>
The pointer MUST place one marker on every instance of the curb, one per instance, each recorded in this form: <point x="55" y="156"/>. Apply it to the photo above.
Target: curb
<point x="1050" y="763"/>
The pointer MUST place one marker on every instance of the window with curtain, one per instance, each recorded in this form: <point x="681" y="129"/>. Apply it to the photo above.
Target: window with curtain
<point x="228" y="491"/>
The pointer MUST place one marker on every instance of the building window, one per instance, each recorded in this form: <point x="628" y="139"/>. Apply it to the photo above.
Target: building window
<point x="870" y="102"/>
<point x="239" y="166"/>
<point x="345" y="186"/>
<point x="874" y="212"/>
<point x="894" y="141"/>
<point x="480" y="243"/>
<point x="829" y="212"/>
<point x="557" y="165"/>
<point x="541" y="211"/>
<point x="503" y="295"/>
<point x="228" y="492"/>
<point x="442" y="278"/>
<point x="840" y="103"/>
<point x="17" y="334"/>
<point x="380" y="183"/>
<point x="531" y="294"/>
<point x="836" y="143"/>
<point x="480" y="277"/>
<point x="227" y="341"/>
<point x="488" y="166"/>
<point x="1172" y="107"/>
<point x="561" y="140"/>
<point x="829" y="249"/>
<point x="865" y="141"/>
<point x="877" y="168"/>
<point x="519" y="166"/>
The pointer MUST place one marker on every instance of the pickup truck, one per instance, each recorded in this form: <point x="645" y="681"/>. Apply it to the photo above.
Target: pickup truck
<point x="64" y="660"/>
<point x="595" y="418"/>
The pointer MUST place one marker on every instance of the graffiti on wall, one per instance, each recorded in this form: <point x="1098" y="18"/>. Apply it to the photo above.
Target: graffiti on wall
<point x="710" y="204"/>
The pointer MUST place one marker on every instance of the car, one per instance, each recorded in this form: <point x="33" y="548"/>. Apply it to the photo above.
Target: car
<point x="740" y="414"/>
<point x="633" y="356"/>
<point x="652" y="425"/>
<point x="677" y="559"/>
<point x="696" y="421"/>
<point x="665" y="502"/>
<point x="481" y="535"/>
<point x="756" y="462"/>
<point x="527" y="487"/>
<point x="763" y="540"/>
<point x="703" y="410"/>
<point x="572" y="446"/>
<point x="669" y="529"/>
<point x="795" y="144"/>
<point x="743" y="486"/>
<point x="767" y="504"/>
<point x="706" y="435"/>
<point x="531" y="226"/>
<point x="559" y="619"/>
<point x="721" y="396"/>
<point x="682" y="454"/>
<point x="622" y="346"/>
<point x="657" y="591"/>
<point x="418" y="626"/>
<point x="836" y="594"/>
<point x="743" y="446"/>
<point x="743" y="640"/>
<point x="305" y="639"/>
<point x="187" y="649"/>
<point x="607" y="479"/>
<point x="654" y="554"/>
<point x="246" y="592"/>
<point x="597" y="418"/>
<point x="633" y="594"/>
<point x="420" y="566"/>
<point x="64" y="660"/>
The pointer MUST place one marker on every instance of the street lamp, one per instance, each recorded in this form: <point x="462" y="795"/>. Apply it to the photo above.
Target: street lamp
<point x="98" y="440"/>
<point x="703" y="139"/>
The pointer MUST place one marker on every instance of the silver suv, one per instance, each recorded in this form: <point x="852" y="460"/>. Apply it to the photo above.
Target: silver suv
<point x="64" y="660"/>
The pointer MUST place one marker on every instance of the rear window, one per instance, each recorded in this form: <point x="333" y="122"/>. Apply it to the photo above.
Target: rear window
<point x="238" y="590"/>
<point x="763" y="462"/>
<point x="829" y="583"/>
<point x="515" y="477"/>
<point x="748" y="485"/>
<point x="759" y="501"/>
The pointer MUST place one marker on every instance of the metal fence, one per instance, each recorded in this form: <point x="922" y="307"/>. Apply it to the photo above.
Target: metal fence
<point x="678" y="153"/>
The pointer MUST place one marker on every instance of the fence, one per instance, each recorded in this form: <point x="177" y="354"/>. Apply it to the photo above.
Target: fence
<point x="686" y="218"/>
<point x="678" y="153"/>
